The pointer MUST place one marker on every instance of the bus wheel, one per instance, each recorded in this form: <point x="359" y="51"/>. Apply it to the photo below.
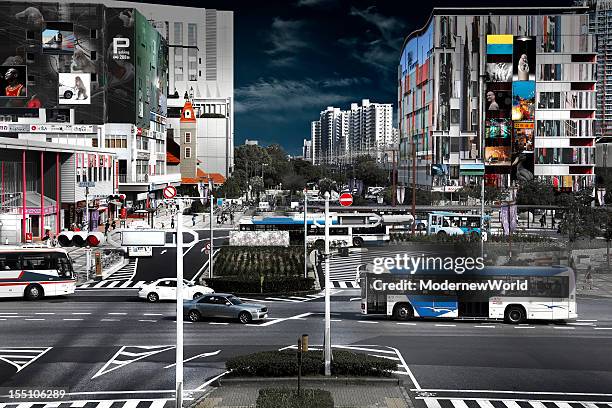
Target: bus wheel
<point x="357" y="242"/>
<point x="515" y="314"/>
<point x="34" y="292"/>
<point x="441" y="233"/>
<point x="402" y="311"/>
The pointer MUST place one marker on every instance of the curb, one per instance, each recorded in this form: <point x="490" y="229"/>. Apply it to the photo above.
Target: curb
<point x="308" y="379"/>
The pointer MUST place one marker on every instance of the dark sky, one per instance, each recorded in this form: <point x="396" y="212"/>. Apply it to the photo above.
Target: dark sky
<point x="293" y="58"/>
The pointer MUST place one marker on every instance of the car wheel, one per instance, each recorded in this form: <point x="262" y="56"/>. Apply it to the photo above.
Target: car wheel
<point x="34" y="292"/>
<point x="152" y="297"/>
<point x="357" y="242"/>
<point x="403" y="311"/>
<point x="194" y="316"/>
<point x="197" y="295"/>
<point x="68" y="95"/>
<point x="245" y="317"/>
<point x="515" y="314"/>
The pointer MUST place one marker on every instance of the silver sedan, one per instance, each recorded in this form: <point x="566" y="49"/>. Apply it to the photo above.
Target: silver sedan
<point x="225" y="306"/>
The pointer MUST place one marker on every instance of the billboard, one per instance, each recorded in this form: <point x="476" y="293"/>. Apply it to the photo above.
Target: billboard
<point x="498" y="128"/>
<point x="498" y="72"/>
<point x="523" y="59"/>
<point x="522" y="139"/>
<point x="523" y="100"/>
<point x="498" y="103"/>
<point x="74" y="89"/>
<point x="13" y="81"/>
<point x="58" y="38"/>
<point x="497" y="155"/>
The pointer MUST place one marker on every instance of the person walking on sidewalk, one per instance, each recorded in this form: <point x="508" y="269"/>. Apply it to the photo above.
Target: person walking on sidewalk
<point x="543" y="220"/>
<point x="193" y="220"/>
<point x="172" y="222"/>
<point x="114" y="224"/>
<point x="106" y="227"/>
<point x="231" y="218"/>
<point x="588" y="278"/>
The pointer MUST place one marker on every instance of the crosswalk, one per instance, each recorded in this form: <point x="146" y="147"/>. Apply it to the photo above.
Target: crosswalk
<point x="126" y="403"/>
<point x="127" y="272"/>
<point x="450" y="402"/>
<point x="113" y="284"/>
<point x="287" y="299"/>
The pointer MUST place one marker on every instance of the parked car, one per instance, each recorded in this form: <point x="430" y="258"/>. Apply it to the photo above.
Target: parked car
<point x="165" y="289"/>
<point x="225" y="306"/>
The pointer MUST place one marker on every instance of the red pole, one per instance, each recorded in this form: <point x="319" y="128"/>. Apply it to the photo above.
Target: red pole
<point x="2" y="183"/>
<point x="23" y="195"/>
<point x="57" y="194"/>
<point x="42" y="194"/>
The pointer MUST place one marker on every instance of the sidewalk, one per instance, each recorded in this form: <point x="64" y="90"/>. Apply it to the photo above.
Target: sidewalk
<point x="363" y="393"/>
<point x="600" y="287"/>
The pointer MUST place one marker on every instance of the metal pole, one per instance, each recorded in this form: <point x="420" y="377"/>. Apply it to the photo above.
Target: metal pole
<point x="88" y="260"/>
<point x="23" y="195"/>
<point x="86" y="221"/>
<point x="327" y="292"/>
<point x="42" y="195"/>
<point x="482" y="195"/>
<point x="58" y="199"/>
<point x="305" y="235"/>
<point x="210" y="255"/>
<point x="179" y="310"/>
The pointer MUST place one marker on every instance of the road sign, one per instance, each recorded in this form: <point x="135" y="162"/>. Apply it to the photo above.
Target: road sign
<point x="346" y="199"/>
<point x="143" y="237"/>
<point x="169" y="192"/>
<point x="28" y="237"/>
<point x="90" y="184"/>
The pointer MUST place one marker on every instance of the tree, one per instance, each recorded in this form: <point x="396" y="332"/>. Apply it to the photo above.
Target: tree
<point x="231" y="188"/>
<point x="257" y="186"/>
<point x="293" y="182"/>
<point x="370" y="172"/>
<point x="327" y="185"/>
<point x="579" y="217"/>
<point x="536" y="193"/>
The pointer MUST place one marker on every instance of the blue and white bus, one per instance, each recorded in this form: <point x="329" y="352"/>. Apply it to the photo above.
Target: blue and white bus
<point x="449" y="223"/>
<point x="35" y="272"/>
<point x="509" y="293"/>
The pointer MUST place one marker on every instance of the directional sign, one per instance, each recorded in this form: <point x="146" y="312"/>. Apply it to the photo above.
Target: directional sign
<point x="169" y="192"/>
<point x="346" y="199"/>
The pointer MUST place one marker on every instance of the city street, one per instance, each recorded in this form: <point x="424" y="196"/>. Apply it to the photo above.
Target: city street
<point x="108" y="345"/>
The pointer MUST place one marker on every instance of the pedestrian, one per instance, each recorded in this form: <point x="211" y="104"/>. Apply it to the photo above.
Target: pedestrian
<point x="54" y="241"/>
<point x="589" y="278"/>
<point x="172" y="222"/>
<point x="106" y="227"/>
<point x="218" y="219"/>
<point x="193" y="219"/>
<point x="114" y="224"/>
<point x="543" y="221"/>
<point x="163" y="225"/>
<point x="552" y="220"/>
<point x="231" y="218"/>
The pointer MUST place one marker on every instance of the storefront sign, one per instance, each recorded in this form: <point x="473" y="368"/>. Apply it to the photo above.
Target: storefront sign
<point x="6" y="127"/>
<point x="60" y="128"/>
<point x="36" y="210"/>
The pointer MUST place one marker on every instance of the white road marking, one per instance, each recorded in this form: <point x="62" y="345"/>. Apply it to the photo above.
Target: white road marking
<point x="602" y="328"/>
<point x="34" y="319"/>
<point x="457" y="403"/>
<point x="146" y="352"/>
<point x="152" y="314"/>
<point x="586" y="320"/>
<point x="407" y="324"/>
<point x="485" y="403"/>
<point x="432" y="403"/>
<point x="335" y="320"/>
<point x="446" y="325"/>
<point x="81" y="313"/>
<point x="485" y="326"/>
<point x="218" y="323"/>
<point x="281" y="299"/>
<point x="525" y="327"/>
<point x="271" y="322"/>
<point x="581" y="324"/>
<point x="17" y="356"/>
<point x="366" y="321"/>
<point x="8" y="313"/>
<point x="146" y="320"/>
<point x="353" y="299"/>
<point x="214" y="353"/>
<point x="44" y="313"/>
<point x="537" y="404"/>
<point x="201" y="387"/>
<point x="117" y="313"/>
<point x="564" y="328"/>
<point x="110" y="320"/>
<point x="511" y="404"/>
<point x="72" y="320"/>
<point x="471" y="391"/>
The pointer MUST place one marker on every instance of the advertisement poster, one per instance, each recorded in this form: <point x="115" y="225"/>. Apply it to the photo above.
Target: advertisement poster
<point x="523" y="59"/>
<point x="523" y="100"/>
<point x="523" y="138"/>
<point x="74" y="89"/>
<point x="498" y="72"/>
<point x="498" y="103"/>
<point x="498" y="128"/>
<point x="58" y="38"/>
<point x="13" y="81"/>
<point x="497" y="155"/>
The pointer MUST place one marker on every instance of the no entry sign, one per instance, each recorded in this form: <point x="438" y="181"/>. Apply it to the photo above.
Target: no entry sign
<point x="169" y="192"/>
<point x="346" y="199"/>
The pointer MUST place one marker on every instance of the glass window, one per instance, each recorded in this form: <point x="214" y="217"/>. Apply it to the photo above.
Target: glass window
<point x="38" y="262"/>
<point x="188" y="152"/>
<point x="9" y="262"/>
<point x="187" y="137"/>
<point x="171" y="284"/>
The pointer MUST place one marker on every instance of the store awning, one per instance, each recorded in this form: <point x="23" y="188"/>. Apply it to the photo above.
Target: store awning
<point x="471" y="169"/>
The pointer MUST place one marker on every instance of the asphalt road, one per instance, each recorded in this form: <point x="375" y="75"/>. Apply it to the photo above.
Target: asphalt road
<point x="105" y="345"/>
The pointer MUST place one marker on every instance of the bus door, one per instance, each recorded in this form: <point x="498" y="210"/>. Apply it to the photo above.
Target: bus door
<point x="473" y="305"/>
<point x="560" y="297"/>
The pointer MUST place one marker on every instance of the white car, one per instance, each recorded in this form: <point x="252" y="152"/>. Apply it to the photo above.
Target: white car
<point x="165" y="289"/>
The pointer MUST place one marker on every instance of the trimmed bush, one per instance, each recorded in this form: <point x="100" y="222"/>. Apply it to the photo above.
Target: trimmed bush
<point x="288" y="398"/>
<point x="284" y="364"/>
<point x="235" y="284"/>
<point x="248" y="263"/>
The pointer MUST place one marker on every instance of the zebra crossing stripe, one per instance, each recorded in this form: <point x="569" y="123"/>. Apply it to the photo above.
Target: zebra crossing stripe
<point x="431" y="402"/>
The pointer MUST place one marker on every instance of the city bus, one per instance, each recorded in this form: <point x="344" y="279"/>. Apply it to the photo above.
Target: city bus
<point x="449" y="223"/>
<point x="35" y="272"/>
<point x="346" y="230"/>
<point x="510" y="293"/>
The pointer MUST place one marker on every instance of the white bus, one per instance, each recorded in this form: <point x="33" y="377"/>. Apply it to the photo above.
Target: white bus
<point x="448" y="223"/>
<point x="35" y="272"/>
<point x="510" y="293"/>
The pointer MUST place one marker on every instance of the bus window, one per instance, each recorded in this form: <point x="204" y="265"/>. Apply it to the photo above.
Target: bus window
<point x="37" y="262"/>
<point x="9" y="262"/>
<point x="445" y="222"/>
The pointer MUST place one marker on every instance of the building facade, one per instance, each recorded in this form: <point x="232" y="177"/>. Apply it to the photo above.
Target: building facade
<point x="508" y="89"/>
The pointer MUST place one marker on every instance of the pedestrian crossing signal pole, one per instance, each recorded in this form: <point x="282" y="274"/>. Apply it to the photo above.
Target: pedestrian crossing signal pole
<point x="210" y="255"/>
<point x="179" y="308"/>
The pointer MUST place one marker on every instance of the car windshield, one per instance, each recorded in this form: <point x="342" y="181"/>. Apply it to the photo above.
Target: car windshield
<point x="234" y="300"/>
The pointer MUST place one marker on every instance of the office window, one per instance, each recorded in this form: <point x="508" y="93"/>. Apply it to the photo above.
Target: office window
<point x="187" y="137"/>
<point x="188" y="152"/>
<point x="94" y="55"/>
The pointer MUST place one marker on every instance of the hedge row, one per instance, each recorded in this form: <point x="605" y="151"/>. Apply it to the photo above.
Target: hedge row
<point x="253" y="262"/>
<point x="288" y="398"/>
<point x="235" y="284"/>
<point x="284" y="364"/>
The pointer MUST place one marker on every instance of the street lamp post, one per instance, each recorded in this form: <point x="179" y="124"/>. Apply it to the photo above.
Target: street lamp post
<point x="305" y="235"/>
<point x="327" y="292"/>
<point x="210" y="255"/>
<point x="179" y="310"/>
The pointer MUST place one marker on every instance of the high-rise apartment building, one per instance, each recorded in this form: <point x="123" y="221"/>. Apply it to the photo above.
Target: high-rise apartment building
<point x="510" y="91"/>
<point x="341" y="135"/>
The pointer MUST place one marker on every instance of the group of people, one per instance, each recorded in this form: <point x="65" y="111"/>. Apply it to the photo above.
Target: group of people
<point x="223" y="217"/>
<point x="108" y="225"/>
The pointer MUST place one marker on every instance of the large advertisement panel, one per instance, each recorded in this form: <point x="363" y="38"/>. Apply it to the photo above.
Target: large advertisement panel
<point x="120" y="67"/>
<point x="523" y="60"/>
<point x="13" y="81"/>
<point x="74" y="89"/>
<point x="58" y="38"/>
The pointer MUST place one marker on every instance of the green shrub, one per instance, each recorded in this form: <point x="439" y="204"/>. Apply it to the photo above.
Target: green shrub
<point x="288" y="398"/>
<point x="236" y="284"/>
<point x="284" y="364"/>
<point x="249" y="262"/>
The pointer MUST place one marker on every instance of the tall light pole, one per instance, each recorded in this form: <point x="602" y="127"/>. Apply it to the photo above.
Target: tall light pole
<point x="327" y="292"/>
<point x="179" y="310"/>
<point x="305" y="235"/>
<point x="210" y="255"/>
